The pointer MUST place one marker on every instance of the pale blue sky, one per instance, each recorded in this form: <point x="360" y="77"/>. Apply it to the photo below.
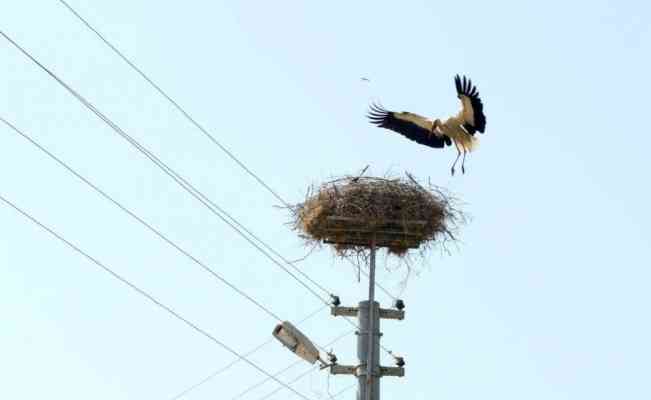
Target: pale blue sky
<point x="547" y="298"/>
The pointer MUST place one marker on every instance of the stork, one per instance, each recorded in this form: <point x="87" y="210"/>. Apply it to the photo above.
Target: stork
<point x="459" y="129"/>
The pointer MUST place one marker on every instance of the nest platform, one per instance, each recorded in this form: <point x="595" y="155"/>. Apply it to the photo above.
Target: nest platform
<point x="354" y="213"/>
<point x="347" y="231"/>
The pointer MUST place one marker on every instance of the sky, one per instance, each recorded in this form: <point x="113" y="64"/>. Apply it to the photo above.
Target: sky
<point x="545" y="298"/>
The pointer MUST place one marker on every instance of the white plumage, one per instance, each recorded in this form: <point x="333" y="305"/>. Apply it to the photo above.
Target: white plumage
<point x="459" y="129"/>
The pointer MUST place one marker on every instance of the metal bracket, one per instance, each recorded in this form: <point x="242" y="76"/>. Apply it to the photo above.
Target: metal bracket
<point x="385" y="313"/>
<point x="392" y="371"/>
<point x="390" y="313"/>
<point x="360" y="370"/>
<point x="343" y="369"/>
<point x="344" y="311"/>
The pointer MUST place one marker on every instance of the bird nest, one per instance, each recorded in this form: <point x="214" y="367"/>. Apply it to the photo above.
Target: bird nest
<point x="399" y="214"/>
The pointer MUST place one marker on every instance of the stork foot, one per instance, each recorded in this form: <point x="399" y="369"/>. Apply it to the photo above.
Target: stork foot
<point x="463" y="170"/>
<point x="452" y="171"/>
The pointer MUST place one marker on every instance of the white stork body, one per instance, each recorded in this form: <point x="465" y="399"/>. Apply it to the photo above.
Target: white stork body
<point x="453" y="128"/>
<point x="459" y="129"/>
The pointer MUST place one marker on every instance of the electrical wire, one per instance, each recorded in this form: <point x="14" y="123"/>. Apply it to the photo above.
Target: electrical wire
<point x="232" y="363"/>
<point x="140" y="220"/>
<point x="290" y="366"/>
<point x="302" y="375"/>
<point x="163" y="237"/>
<point x="210" y="205"/>
<point x="377" y="284"/>
<point x="146" y="294"/>
<point x="307" y="372"/>
<point x="193" y="121"/>
<point x="344" y="390"/>
<point x="167" y="240"/>
<point x="175" y="104"/>
<point x="219" y="371"/>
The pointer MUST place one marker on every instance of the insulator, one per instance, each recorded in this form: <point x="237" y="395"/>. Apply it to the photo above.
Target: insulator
<point x="400" y="361"/>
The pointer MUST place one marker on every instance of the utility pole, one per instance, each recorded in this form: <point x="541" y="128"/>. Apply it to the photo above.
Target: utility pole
<point x="369" y="313"/>
<point x="358" y="216"/>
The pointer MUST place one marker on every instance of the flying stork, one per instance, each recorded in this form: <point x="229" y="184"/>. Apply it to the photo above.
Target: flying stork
<point x="459" y="129"/>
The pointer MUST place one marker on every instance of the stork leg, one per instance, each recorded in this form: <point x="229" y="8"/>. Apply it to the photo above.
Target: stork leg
<point x="457" y="159"/>
<point x="463" y="162"/>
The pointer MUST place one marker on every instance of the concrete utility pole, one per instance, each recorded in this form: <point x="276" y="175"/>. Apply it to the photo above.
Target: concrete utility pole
<point x="369" y="313"/>
<point x="358" y="216"/>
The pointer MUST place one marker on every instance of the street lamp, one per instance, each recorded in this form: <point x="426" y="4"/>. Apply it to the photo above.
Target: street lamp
<point x="297" y="342"/>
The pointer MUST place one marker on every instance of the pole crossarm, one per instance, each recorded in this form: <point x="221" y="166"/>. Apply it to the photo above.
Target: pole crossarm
<point x="360" y="370"/>
<point x="340" y="311"/>
<point x="385" y="313"/>
<point x="392" y="371"/>
<point x="343" y="369"/>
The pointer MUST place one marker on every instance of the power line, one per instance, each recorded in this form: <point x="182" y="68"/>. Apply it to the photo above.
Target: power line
<point x="219" y="371"/>
<point x="147" y="295"/>
<point x="181" y="182"/>
<point x="379" y="286"/>
<point x="278" y="373"/>
<point x="344" y="390"/>
<point x="210" y="205"/>
<point x="232" y="363"/>
<point x="302" y="375"/>
<point x="353" y="324"/>
<point x="216" y="210"/>
<point x="222" y="147"/>
<point x="123" y="208"/>
<point x="160" y="235"/>
<point x="339" y="393"/>
<point x="140" y="220"/>
<point x="176" y="105"/>
<point x="255" y="386"/>
<point x="193" y="122"/>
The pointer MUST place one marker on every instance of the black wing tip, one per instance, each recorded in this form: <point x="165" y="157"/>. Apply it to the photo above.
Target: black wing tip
<point x="482" y="125"/>
<point x="377" y="114"/>
<point x="465" y="86"/>
<point x="376" y="109"/>
<point x="376" y="106"/>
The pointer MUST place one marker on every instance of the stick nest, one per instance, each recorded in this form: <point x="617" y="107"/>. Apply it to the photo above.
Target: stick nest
<point x="398" y="214"/>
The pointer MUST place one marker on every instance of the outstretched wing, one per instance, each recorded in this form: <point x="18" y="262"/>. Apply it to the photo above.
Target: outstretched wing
<point x="472" y="108"/>
<point x="410" y="125"/>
